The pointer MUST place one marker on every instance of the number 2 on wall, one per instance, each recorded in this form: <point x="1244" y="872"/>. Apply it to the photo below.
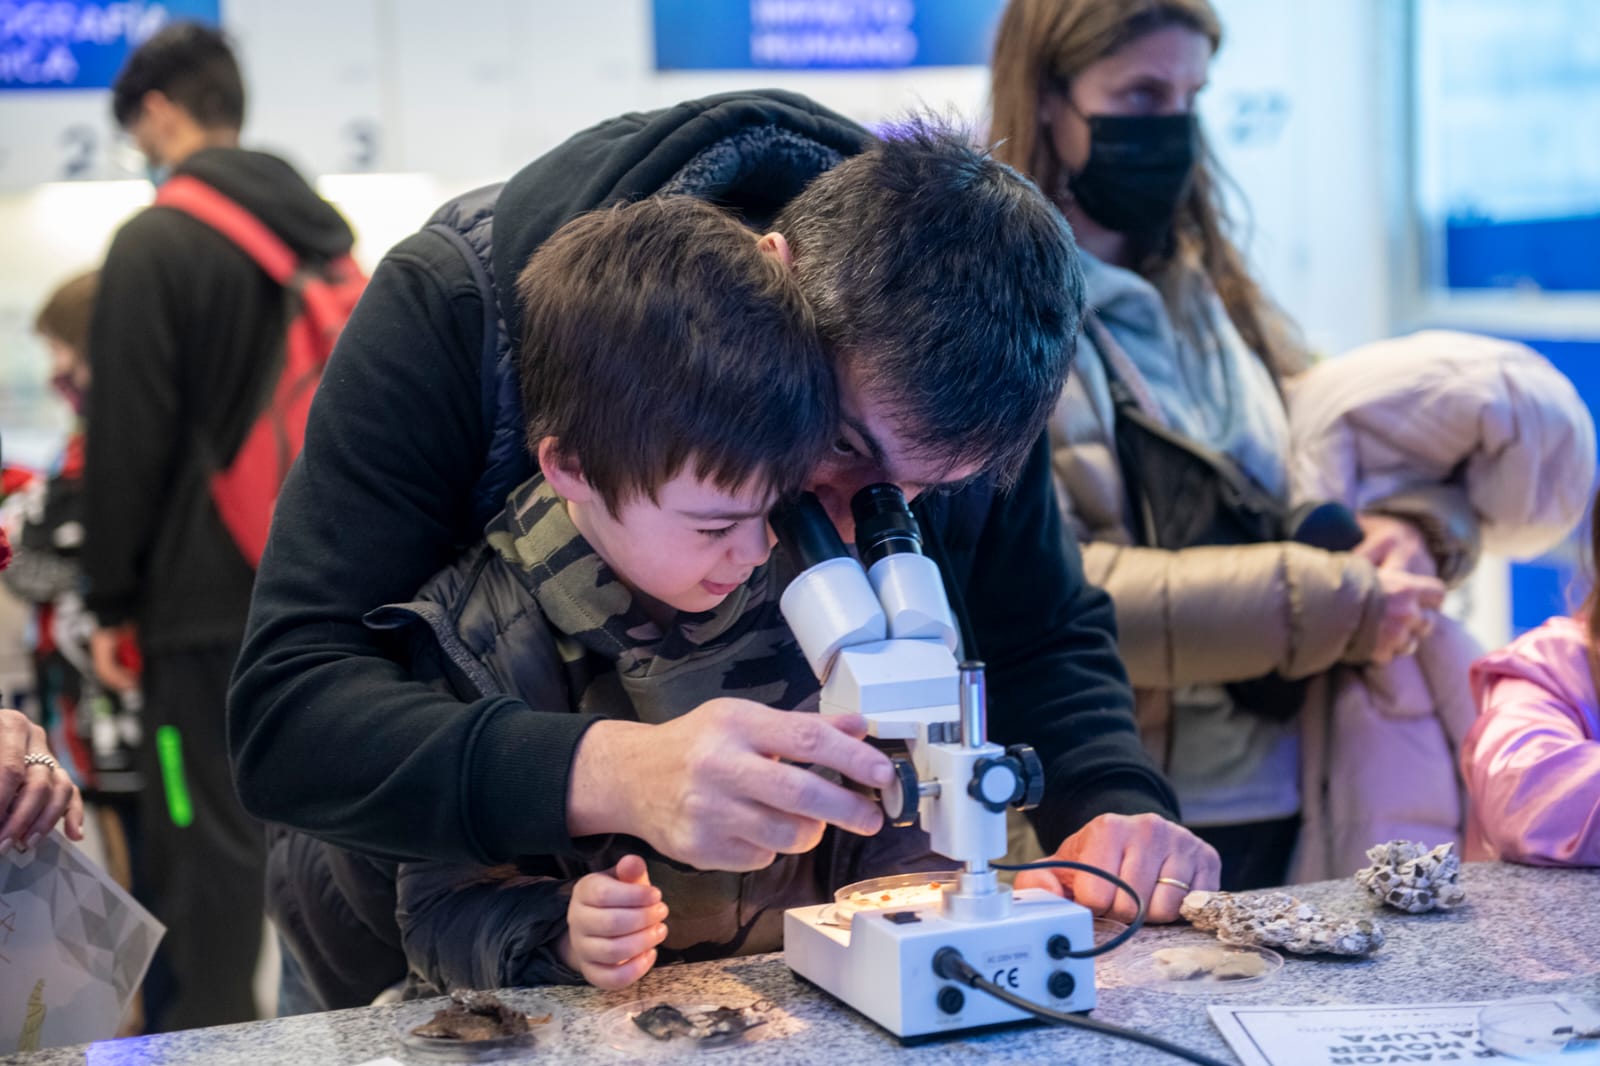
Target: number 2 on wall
<point x="80" y="143"/>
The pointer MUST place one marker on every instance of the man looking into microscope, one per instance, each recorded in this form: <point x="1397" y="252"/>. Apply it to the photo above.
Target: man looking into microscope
<point x="949" y="291"/>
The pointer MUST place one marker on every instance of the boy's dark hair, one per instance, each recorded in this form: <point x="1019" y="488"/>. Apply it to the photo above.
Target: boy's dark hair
<point x="191" y="64"/>
<point x="946" y="282"/>
<point x="65" y="315"/>
<point x="658" y="335"/>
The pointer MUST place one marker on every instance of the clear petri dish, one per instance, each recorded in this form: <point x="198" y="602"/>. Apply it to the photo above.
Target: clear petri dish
<point x="1105" y="929"/>
<point x="1199" y="969"/>
<point x="654" y="1029"/>
<point x="1562" y="1029"/>
<point x="899" y="892"/>
<point x="544" y="1031"/>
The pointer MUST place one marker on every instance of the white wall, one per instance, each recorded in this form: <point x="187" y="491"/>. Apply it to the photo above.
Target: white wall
<point x="1304" y="111"/>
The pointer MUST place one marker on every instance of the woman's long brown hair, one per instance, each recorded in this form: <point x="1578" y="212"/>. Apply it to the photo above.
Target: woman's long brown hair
<point x="1041" y="46"/>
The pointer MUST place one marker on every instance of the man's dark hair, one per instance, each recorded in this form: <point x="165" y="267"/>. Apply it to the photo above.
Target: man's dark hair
<point x="948" y="285"/>
<point x="191" y="64"/>
<point x="658" y="335"/>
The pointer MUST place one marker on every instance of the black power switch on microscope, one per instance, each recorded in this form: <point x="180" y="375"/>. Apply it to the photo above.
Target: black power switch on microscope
<point x="951" y="1000"/>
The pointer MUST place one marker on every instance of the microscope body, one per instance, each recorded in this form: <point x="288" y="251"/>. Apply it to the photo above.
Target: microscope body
<point x="880" y="635"/>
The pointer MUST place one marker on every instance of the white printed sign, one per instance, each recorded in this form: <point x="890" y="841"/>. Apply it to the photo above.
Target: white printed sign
<point x="1355" y="1035"/>
<point x="73" y="948"/>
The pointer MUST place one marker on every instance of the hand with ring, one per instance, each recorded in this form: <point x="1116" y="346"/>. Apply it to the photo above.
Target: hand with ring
<point x="1161" y="860"/>
<point x="35" y="792"/>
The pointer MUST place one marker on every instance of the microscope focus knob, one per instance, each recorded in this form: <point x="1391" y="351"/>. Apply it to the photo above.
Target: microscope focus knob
<point x="899" y="798"/>
<point x="1032" y="775"/>
<point x="996" y="783"/>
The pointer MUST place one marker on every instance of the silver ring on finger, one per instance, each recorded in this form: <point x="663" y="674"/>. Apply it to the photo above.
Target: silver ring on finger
<point x="1181" y="886"/>
<point x="39" y="758"/>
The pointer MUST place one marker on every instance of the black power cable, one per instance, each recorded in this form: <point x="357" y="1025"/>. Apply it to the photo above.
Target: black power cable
<point x="1067" y="864"/>
<point x="949" y="964"/>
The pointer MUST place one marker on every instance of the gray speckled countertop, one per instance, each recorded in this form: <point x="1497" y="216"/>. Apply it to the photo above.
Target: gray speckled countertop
<point x="1524" y="931"/>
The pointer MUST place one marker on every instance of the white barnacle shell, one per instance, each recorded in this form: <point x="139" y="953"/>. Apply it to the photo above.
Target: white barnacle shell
<point x="1408" y="876"/>
<point x="1279" y="920"/>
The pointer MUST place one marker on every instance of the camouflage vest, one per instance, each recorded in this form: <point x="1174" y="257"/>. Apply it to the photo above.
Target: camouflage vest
<point x="535" y="613"/>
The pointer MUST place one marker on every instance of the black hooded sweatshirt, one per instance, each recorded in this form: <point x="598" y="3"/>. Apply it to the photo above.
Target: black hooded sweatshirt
<point x="187" y="338"/>
<point x="331" y="737"/>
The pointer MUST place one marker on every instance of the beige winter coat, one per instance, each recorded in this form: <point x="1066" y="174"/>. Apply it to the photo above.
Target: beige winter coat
<point x="1509" y="435"/>
<point x="1377" y="744"/>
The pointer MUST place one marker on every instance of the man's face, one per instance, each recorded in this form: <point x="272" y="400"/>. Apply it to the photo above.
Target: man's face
<point x="145" y="132"/>
<point x="872" y="449"/>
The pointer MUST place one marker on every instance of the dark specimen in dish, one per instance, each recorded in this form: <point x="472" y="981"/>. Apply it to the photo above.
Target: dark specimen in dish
<point x="476" y="1016"/>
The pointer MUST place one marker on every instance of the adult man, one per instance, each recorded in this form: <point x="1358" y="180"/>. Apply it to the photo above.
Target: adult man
<point x="951" y="353"/>
<point x="187" y="335"/>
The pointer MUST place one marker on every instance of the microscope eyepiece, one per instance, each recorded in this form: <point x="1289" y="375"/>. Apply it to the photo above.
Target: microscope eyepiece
<point x="803" y="528"/>
<point x="884" y="524"/>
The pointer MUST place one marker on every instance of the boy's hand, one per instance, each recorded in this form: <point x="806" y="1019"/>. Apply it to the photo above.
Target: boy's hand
<point x="715" y="788"/>
<point x="614" y="923"/>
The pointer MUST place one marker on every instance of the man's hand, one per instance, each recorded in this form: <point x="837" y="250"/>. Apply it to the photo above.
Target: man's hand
<point x="32" y="797"/>
<point x="1139" y="849"/>
<point x="614" y="924"/>
<point x="105" y="646"/>
<point x="716" y="788"/>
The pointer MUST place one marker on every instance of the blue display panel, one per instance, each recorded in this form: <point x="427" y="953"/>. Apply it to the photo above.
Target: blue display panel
<point x="1551" y="254"/>
<point x="73" y="44"/>
<point x="822" y="34"/>
<point x="1557" y="581"/>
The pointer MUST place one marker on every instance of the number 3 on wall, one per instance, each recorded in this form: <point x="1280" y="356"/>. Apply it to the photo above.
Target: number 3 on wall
<point x="362" y="134"/>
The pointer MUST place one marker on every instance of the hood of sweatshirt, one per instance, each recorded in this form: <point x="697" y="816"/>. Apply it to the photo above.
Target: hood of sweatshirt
<point x="275" y="193"/>
<point x="749" y="151"/>
<point x="1554" y="656"/>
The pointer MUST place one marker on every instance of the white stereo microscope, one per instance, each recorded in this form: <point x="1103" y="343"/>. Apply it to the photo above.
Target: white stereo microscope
<point x="880" y="635"/>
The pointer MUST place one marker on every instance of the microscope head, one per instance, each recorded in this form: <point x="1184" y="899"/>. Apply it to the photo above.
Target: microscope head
<point x="893" y="593"/>
<point x="880" y="635"/>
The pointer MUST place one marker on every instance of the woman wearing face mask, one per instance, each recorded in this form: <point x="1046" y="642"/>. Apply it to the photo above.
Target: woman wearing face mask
<point x="1171" y="438"/>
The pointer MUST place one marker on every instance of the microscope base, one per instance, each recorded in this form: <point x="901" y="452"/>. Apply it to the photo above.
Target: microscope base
<point x="883" y="967"/>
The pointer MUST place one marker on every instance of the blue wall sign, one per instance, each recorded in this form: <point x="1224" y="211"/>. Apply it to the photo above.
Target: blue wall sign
<point x="76" y="44"/>
<point x="823" y="34"/>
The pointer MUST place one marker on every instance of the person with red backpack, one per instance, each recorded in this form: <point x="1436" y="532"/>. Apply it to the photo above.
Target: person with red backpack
<point x="217" y="307"/>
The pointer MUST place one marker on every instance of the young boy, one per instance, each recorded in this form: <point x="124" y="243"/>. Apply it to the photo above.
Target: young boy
<point x="629" y="580"/>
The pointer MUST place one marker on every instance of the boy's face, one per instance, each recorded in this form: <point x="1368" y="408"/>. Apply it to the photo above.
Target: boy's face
<point x="686" y="550"/>
<point x="871" y="449"/>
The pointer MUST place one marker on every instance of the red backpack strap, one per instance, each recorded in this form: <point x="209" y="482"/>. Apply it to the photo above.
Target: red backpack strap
<point x="197" y="199"/>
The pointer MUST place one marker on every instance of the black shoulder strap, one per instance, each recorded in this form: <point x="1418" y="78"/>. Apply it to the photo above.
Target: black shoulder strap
<point x="489" y="355"/>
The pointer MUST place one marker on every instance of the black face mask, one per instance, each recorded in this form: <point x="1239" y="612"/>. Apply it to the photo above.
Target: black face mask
<point x="1139" y="168"/>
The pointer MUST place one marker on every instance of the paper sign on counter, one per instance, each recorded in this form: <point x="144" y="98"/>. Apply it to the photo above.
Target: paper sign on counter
<point x="1355" y="1035"/>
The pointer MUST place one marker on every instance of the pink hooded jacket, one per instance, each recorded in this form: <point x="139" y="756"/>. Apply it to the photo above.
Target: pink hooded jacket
<point x="1532" y="759"/>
